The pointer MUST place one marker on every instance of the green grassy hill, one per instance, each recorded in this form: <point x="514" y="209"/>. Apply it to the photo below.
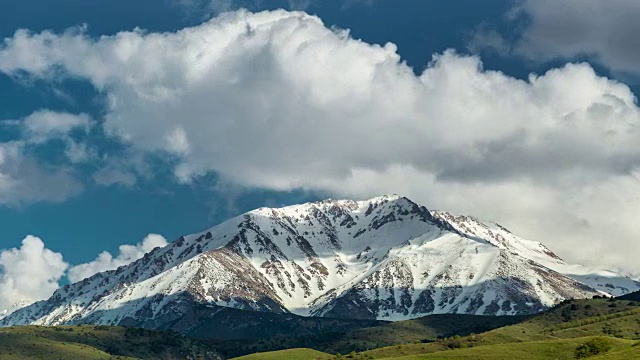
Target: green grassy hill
<point x="553" y="334"/>
<point x="97" y="342"/>
<point x="626" y="354"/>
<point x="424" y="329"/>
<point x="290" y="354"/>
<point x="559" y="349"/>
<point x="562" y="349"/>
<point x="576" y="318"/>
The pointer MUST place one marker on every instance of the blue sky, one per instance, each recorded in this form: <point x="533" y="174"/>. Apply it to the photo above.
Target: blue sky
<point x="100" y="151"/>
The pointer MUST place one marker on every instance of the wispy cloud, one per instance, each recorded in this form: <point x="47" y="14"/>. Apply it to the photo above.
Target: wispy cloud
<point x="24" y="179"/>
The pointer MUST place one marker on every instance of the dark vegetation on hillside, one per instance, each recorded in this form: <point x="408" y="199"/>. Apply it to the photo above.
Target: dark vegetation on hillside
<point x="595" y="346"/>
<point x="425" y="329"/>
<point x="633" y="296"/>
<point x="244" y="324"/>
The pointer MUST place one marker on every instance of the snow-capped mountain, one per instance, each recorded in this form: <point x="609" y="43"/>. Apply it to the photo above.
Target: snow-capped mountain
<point x="385" y="258"/>
<point x="15" y="307"/>
<point x="603" y="280"/>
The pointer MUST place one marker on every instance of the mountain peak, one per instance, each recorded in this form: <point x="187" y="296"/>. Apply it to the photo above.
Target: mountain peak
<point x="352" y="205"/>
<point x="382" y="258"/>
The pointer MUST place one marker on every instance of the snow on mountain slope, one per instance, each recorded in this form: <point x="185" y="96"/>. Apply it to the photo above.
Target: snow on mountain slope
<point x="385" y="258"/>
<point x="603" y="280"/>
<point x="15" y="307"/>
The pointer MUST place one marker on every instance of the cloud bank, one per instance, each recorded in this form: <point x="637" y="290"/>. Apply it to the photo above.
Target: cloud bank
<point x="29" y="273"/>
<point x="278" y="101"/>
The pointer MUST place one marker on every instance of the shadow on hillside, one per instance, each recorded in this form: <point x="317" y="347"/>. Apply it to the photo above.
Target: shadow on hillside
<point x="185" y="315"/>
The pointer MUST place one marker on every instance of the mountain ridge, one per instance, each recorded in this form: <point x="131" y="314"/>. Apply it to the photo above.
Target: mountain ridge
<point x="386" y="258"/>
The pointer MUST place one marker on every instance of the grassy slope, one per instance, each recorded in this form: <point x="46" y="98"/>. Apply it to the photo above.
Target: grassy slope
<point x="95" y="342"/>
<point x="290" y="354"/>
<point x="548" y="349"/>
<point x="560" y="329"/>
<point x="561" y="349"/>
<point x="18" y="346"/>
<point x="626" y="354"/>
<point x="577" y="318"/>
<point x="423" y="329"/>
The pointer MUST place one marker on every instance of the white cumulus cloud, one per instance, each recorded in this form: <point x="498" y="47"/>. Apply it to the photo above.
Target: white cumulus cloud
<point x="105" y="261"/>
<point x="29" y="273"/>
<point x="276" y="100"/>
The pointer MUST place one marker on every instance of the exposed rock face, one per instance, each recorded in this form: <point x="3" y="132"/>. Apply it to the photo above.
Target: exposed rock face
<point x="386" y="258"/>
